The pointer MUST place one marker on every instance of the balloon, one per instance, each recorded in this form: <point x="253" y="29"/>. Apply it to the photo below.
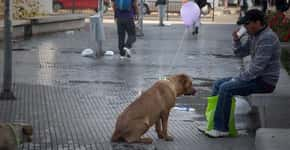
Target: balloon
<point x="190" y="13"/>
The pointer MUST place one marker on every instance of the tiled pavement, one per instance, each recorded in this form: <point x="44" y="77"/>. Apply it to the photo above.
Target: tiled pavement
<point x="72" y="102"/>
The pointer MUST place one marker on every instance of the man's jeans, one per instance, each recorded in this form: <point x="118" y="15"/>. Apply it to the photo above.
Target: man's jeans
<point x="162" y="12"/>
<point x="126" y="25"/>
<point x="226" y="88"/>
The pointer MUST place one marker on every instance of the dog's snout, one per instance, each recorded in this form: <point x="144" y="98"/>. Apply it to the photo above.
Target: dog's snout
<point x="193" y="91"/>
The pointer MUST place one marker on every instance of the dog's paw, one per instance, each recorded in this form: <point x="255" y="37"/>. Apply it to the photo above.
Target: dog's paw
<point x="160" y="136"/>
<point x="168" y="138"/>
<point x="146" y="140"/>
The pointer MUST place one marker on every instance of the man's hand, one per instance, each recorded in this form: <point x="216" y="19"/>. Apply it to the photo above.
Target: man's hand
<point x="235" y="35"/>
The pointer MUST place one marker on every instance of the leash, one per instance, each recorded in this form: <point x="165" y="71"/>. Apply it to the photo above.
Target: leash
<point x="14" y="133"/>
<point x="176" y="54"/>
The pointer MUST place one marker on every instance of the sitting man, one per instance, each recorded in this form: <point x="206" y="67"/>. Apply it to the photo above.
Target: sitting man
<point x="261" y="76"/>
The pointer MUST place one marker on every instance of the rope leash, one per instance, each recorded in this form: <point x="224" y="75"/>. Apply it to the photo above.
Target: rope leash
<point x="17" y="140"/>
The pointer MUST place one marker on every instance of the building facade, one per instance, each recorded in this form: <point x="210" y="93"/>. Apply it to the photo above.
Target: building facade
<point x="27" y="8"/>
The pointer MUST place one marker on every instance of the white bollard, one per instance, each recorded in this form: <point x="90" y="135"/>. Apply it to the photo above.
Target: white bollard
<point x="97" y="32"/>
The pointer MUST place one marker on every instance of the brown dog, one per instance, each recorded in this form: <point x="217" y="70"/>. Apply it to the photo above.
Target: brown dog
<point x="151" y="107"/>
<point x="13" y="134"/>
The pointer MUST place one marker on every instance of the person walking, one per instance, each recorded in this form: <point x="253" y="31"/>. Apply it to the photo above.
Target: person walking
<point x="124" y="13"/>
<point x="162" y="5"/>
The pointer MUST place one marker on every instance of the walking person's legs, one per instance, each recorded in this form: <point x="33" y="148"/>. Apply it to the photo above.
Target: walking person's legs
<point x="196" y="25"/>
<point x="131" y="32"/>
<point x="121" y="36"/>
<point x="264" y="6"/>
<point x="244" y="7"/>
<point x="161" y="14"/>
<point x="226" y="4"/>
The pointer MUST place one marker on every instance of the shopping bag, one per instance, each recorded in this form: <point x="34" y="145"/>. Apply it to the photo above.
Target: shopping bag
<point x="210" y="110"/>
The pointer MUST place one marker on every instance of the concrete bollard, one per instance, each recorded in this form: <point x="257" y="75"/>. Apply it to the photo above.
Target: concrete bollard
<point x="97" y="33"/>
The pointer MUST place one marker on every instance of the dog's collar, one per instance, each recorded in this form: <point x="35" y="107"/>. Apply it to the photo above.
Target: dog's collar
<point x="14" y="133"/>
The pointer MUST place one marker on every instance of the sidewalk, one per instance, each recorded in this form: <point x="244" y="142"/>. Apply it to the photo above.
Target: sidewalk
<point x="73" y="101"/>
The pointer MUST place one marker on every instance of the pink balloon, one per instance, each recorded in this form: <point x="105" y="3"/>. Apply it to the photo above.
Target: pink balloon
<point x="190" y="13"/>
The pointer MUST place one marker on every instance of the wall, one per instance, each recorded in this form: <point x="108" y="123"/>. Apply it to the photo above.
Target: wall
<point x="28" y="8"/>
<point x="46" y="6"/>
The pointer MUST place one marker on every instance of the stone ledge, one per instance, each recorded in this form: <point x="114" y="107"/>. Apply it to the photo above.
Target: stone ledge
<point x="56" y="18"/>
<point x="285" y="45"/>
<point x="274" y="107"/>
<point x="44" y="24"/>
<point x="15" y="23"/>
<point x="18" y="28"/>
<point x="272" y="139"/>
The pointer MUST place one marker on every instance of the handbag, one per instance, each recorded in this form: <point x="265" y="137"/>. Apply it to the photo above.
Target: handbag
<point x="210" y="111"/>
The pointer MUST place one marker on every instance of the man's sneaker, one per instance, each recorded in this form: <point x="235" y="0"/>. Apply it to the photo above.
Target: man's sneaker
<point x="216" y="134"/>
<point x="202" y="128"/>
<point x="127" y="52"/>
<point x="122" y="57"/>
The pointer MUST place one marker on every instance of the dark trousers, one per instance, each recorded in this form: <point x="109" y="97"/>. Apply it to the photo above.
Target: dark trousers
<point x="126" y="25"/>
<point x="264" y="5"/>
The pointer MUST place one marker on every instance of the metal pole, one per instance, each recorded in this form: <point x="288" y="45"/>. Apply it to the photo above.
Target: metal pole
<point x="167" y="16"/>
<point x="140" y="19"/>
<point x="99" y="41"/>
<point x="73" y="6"/>
<point x="213" y="10"/>
<point x="6" y="93"/>
<point x="101" y="7"/>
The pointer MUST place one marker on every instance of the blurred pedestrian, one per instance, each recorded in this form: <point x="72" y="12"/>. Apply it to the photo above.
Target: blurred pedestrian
<point x="282" y="5"/>
<point x="264" y="6"/>
<point x="124" y="12"/>
<point x="194" y="12"/>
<point x="162" y="8"/>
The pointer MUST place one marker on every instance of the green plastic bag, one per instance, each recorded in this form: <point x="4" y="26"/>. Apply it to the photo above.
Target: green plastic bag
<point x="209" y="114"/>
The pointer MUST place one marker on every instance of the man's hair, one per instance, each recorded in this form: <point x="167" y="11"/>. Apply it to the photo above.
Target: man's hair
<point x="253" y="15"/>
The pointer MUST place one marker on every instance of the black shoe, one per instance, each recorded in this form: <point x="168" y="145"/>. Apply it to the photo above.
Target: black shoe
<point x="196" y="30"/>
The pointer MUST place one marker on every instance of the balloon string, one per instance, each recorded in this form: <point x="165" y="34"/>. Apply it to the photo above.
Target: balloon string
<point x="178" y="50"/>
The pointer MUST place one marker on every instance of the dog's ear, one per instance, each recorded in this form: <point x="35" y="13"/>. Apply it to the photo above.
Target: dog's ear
<point x="27" y="130"/>
<point x="183" y="79"/>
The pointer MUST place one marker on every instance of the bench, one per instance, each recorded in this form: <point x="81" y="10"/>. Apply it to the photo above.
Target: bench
<point x="46" y="24"/>
<point x="18" y="28"/>
<point x="274" y="107"/>
<point x="271" y="107"/>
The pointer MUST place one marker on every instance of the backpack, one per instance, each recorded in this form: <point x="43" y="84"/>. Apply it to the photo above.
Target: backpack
<point x="124" y="5"/>
<point x="160" y="2"/>
<point x="201" y="3"/>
